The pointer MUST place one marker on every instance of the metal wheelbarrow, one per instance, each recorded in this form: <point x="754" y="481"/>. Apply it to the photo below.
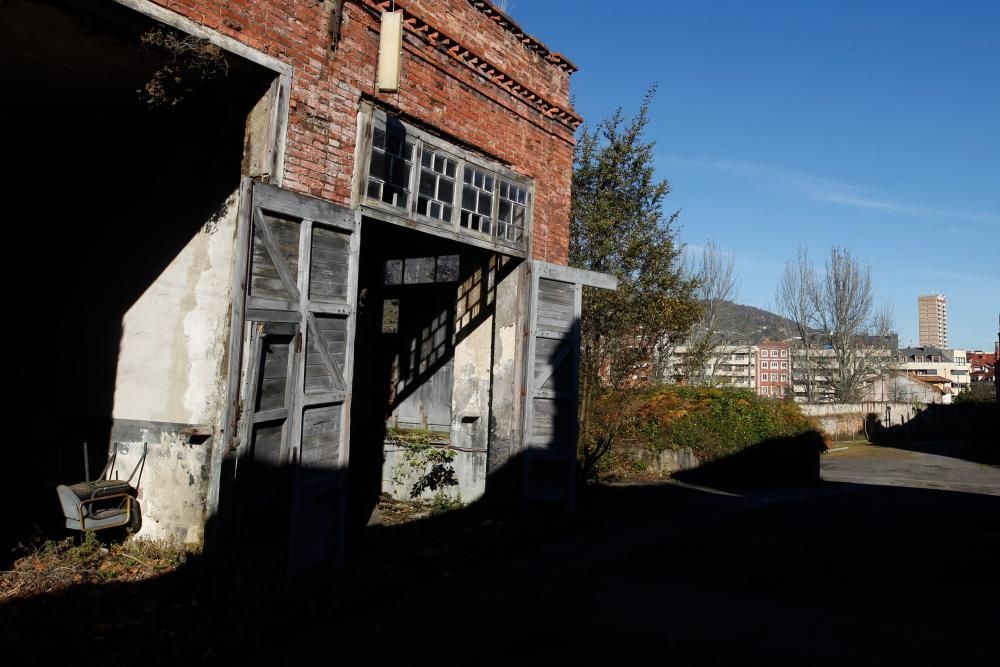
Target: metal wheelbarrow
<point x="103" y="502"/>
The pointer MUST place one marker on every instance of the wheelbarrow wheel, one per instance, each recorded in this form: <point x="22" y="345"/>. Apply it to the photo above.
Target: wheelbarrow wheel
<point x="135" y="519"/>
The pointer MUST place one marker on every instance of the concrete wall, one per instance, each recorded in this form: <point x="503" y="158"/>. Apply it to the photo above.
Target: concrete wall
<point x="399" y="474"/>
<point x="845" y="420"/>
<point x="173" y="482"/>
<point x="171" y="376"/>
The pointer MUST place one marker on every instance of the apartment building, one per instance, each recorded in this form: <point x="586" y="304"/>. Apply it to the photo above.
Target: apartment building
<point x="726" y="365"/>
<point x="946" y="369"/>
<point x="932" y="316"/>
<point x="774" y="369"/>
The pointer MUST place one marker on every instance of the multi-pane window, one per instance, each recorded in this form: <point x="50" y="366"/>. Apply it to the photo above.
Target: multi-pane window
<point x="437" y="184"/>
<point x="784" y="353"/>
<point x="784" y="377"/>
<point x="477" y="200"/>
<point x="416" y="175"/>
<point x="389" y="166"/>
<point x="512" y="211"/>
<point x="784" y="365"/>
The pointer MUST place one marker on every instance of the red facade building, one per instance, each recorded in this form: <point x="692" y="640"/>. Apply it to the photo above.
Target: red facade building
<point x="774" y="369"/>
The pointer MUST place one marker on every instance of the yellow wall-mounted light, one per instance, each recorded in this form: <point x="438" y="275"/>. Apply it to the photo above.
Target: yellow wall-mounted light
<point x="390" y="48"/>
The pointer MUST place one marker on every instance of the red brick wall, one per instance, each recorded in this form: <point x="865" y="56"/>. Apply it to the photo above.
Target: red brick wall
<point x="436" y="88"/>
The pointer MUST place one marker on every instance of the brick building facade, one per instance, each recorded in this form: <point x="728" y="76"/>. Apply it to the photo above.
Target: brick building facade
<point x="469" y="72"/>
<point x="286" y="271"/>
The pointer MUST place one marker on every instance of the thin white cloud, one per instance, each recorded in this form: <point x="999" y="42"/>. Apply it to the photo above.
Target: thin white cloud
<point x="825" y="189"/>
<point x="979" y="278"/>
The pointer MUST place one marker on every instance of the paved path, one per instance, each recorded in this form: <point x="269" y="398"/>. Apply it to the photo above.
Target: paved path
<point x="927" y="466"/>
<point x="881" y="563"/>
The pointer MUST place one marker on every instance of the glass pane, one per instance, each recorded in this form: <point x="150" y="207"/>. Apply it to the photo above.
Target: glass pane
<point x="400" y="173"/>
<point x="376" y="166"/>
<point x="427" y="180"/>
<point x="422" y="205"/>
<point x="446" y="190"/>
<point x="485" y="204"/>
<point x="469" y="198"/>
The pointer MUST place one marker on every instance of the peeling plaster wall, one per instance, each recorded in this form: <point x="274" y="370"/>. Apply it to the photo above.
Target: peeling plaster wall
<point x="470" y="402"/>
<point x="173" y="482"/>
<point x="505" y="416"/>
<point x="171" y="375"/>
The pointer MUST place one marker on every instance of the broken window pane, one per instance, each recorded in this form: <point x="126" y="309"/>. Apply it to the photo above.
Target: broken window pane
<point x="511" y="212"/>
<point x="437" y="187"/>
<point x="488" y="203"/>
<point x="477" y="200"/>
<point x="389" y="166"/>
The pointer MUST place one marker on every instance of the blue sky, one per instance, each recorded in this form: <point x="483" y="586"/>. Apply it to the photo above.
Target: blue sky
<point x="874" y="125"/>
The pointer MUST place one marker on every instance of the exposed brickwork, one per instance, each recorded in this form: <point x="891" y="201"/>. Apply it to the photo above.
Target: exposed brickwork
<point x="438" y="89"/>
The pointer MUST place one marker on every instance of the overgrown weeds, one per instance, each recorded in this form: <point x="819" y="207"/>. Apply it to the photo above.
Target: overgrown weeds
<point x="55" y="565"/>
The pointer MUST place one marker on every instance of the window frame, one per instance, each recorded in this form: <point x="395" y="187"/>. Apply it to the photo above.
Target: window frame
<point x="374" y="117"/>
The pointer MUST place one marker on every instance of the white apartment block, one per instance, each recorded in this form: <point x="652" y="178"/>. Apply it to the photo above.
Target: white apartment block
<point x="947" y="369"/>
<point x="727" y="365"/>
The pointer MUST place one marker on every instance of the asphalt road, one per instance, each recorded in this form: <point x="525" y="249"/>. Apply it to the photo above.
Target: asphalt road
<point x="892" y="559"/>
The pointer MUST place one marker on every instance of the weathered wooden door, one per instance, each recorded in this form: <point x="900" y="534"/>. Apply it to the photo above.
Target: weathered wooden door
<point x="552" y="380"/>
<point x="301" y="288"/>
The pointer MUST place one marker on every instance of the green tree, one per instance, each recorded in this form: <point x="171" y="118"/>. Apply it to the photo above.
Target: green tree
<point x="618" y="226"/>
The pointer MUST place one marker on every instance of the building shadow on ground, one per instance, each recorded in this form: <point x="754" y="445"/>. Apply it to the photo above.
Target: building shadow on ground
<point x="919" y="558"/>
<point x="968" y="431"/>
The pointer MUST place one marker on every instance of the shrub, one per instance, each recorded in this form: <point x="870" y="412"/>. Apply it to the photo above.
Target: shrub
<point x="712" y="422"/>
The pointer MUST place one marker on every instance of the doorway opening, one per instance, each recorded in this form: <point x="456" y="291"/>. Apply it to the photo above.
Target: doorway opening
<point x="424" y="358"/>
<point x="124" y="164"/>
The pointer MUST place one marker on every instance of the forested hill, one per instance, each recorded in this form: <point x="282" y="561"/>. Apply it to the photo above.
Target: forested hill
<point x="738" y="322"/>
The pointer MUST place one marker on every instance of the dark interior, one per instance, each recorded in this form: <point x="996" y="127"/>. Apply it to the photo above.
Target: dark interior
<point x="103" y="190"/>
<point x="411" y="289"/>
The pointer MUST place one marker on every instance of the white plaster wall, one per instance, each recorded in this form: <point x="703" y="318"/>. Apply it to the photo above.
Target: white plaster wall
<point x="470" y="403"/>
<point x="172" y="485"/>
<point x="398" y="477"/>
<point x="170" y="365"/>
<point x="171" y="373"/>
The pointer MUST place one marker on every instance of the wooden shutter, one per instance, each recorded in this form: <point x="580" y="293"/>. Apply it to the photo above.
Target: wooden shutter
<point x="303" y="272"/>
<point x="552" y="379"/>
